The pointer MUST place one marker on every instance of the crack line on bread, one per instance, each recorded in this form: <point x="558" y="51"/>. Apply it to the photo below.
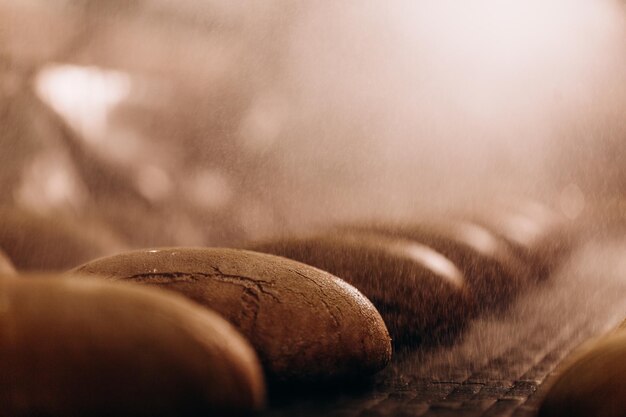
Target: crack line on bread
<point x="176" y="277"/>
<point x="250" y="301"/>
<point x="324" y="295"/>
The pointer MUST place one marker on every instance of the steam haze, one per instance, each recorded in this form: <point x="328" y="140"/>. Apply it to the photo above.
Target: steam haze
<point x="431" y="103"/>
<point x="255" y="119"/>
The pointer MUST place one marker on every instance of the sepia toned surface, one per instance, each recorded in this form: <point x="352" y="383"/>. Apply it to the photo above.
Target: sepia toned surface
<point x="150" y="123"/>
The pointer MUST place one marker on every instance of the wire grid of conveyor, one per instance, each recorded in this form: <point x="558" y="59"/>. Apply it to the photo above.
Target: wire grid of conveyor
<point x="499" y="364"/>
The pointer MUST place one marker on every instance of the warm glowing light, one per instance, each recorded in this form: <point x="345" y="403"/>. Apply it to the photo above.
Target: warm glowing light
<point x="521" y="229"/>
<point x="434" y="261"/>
<point x="83" y="96"/>
<point x="460" y="95"/>
<point x="504" y="40"/>
<point x="478" y="237"/>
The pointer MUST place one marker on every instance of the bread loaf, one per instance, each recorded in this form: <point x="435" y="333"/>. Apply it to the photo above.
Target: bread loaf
<point x="85" y="347"/>
<point x="305" y="324"/>
<point x="420" y="294"/>
<point x="494" y="275"/>
<point x="36" y="243"/>
<point x="591" y="383"/>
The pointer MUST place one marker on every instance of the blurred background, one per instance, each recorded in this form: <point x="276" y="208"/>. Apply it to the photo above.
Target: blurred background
<point x="213" y="122"/>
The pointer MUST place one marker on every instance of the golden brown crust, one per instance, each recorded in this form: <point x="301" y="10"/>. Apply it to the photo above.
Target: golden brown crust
<point x="305" y="323"/>
<point x="591" y="383"/>
<point x="82" y="346"/>
<point x="420" y="294"/>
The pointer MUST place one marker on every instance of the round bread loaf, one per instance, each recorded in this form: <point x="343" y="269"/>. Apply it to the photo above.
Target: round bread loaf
<point x="420" y="294"/>
<point x="305" y="324"/>
<point x="6" y="267"/>
<point x="36" y="243"/>
<point x="81" y="347"/>
<point x="592" y="383"/>
<point x="540" y="239"/>
<point x="493" y="274"/>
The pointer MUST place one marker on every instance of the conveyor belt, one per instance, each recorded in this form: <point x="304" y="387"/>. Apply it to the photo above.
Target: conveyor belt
<point x="497" y="367"/>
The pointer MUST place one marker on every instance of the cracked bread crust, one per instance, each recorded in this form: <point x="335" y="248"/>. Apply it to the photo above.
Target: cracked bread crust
<point x="305" y="324"/>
